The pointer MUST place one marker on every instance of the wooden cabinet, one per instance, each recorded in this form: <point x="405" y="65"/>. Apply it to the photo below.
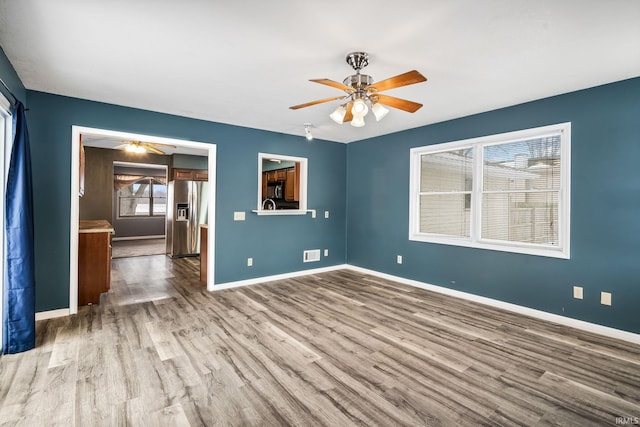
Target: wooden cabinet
<point x="94" y="261"/>
<point x="291" y="179"/>
<point x="182" y="174"/>
<point x="204" y="243"/>
<point x="189" y="174"/>
<point x="292" y="185"/>
<point x="264" y="185"/>
<point x="199" y="175"/>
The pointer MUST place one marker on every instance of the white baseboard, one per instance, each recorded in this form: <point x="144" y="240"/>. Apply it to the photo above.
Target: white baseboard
<point x="538" y="314"/>
<point x="44" y="315"/>
<point x="264" y="279"/>
<point x="115" y="239"/>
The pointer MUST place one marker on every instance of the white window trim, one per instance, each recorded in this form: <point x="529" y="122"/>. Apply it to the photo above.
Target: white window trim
<point x="302" y="203"/>
<point x="562" y="250"/>
<point x="6" y="142"/>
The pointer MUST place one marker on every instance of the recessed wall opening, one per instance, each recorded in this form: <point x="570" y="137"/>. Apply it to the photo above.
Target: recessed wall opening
<point x="137" y="208"/>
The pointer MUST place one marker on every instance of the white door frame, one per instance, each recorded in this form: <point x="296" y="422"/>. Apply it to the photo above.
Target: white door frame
<point x="75" y="199"/>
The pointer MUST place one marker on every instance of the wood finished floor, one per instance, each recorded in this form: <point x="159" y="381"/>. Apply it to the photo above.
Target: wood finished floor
<point x="333" y="349"/>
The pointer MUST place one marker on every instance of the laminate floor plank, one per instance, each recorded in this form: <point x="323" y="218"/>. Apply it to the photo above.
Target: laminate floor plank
<point x="340" y="348"/>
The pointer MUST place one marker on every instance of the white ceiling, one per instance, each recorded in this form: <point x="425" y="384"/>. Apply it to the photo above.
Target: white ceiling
<point x="245" y="62"/>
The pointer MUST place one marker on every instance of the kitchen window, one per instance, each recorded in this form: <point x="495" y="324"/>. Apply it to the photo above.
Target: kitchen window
<point x="141" y="196"/>
<point x="506" y="192"/>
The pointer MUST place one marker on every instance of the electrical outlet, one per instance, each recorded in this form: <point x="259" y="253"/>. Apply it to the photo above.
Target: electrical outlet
<point x="249" y="262"/>
<point x="326" y="252"/>
<point x="399" y="259"/>
<point x="238" y="216"/>
<point x="605" y="298"/>
<point x="577" y="292"/>
<point x="326" y="214"/>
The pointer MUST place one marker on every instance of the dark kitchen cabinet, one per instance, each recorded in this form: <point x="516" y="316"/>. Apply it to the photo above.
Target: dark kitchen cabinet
<point x="94" y="261"/>
<point x="180" y="174"/>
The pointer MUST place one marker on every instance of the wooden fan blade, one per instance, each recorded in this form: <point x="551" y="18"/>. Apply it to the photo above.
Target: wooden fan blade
<point x="405" y="79"/>
<point x="152" y="149"/>
<point x="335" y="84"/>
<point x="320" y="101"/>
<point x="158" y="144"/>
<point x="401" y="104"/>
<point x="349" y="114"/>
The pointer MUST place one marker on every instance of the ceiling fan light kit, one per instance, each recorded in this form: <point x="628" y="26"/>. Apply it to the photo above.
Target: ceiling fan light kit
<point x="141" y="147"/>
<point x="379" y="111"/>
<point x="360" y="90"/>
<point x="338" y="115"/>
<point x="135" y="148"/>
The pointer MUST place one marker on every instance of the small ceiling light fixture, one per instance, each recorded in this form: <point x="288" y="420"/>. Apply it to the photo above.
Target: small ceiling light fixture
<point x="362" y="94"/>
<point x="307" y="132"/>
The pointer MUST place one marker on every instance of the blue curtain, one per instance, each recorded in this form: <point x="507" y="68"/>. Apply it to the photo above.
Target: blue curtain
<point x="19" y="302"/>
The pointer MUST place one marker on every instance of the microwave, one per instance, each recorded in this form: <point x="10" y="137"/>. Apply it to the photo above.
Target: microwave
<point x="275" y="190"/>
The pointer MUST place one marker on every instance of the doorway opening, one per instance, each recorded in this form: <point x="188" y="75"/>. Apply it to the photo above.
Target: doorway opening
<point x="111" y="139"/>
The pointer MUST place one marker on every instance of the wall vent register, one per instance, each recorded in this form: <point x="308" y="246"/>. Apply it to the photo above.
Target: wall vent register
<point x="311" y="255"/>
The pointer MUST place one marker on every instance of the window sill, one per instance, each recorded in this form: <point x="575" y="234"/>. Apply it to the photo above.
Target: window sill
<point x="281" y="212"/>
<point x="544" y="251"/>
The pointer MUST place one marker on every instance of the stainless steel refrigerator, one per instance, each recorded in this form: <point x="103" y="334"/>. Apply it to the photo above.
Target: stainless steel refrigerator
<point x="187" y="208"/>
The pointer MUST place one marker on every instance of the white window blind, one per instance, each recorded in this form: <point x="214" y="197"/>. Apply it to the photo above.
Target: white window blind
<point x="445" y="188"/>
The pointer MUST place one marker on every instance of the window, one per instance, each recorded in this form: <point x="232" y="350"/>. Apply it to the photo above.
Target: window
<point x="507" y="192"/>
<point x="145" y="197"/>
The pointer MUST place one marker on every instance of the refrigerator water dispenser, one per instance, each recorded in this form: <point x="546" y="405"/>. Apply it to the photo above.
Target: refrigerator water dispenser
<point x="182" y="212"/>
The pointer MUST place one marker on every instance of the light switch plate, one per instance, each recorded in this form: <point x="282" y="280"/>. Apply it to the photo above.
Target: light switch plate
<point x="326" y="214"/>
<point x="577" y="292"/>
<point x="238" y="216"/>
<point x="326" y="252"/>
<point x="249" y="262"/>
<point x="605" y="298"/>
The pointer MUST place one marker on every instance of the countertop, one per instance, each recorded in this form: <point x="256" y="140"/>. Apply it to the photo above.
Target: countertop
<point x="95" y="226"/>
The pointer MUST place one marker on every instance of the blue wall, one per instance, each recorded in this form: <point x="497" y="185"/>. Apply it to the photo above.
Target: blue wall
<point x="9" y="76"/>
<point x="605" y="210"/>
<point x="275" y="243"/>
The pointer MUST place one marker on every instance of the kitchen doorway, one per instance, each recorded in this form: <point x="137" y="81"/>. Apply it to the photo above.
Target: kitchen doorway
<point x="76" y="178"/>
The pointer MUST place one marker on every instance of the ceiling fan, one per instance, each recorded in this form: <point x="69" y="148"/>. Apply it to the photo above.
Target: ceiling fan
<point x="361" y="89"/>
<point x="143" y="147"/>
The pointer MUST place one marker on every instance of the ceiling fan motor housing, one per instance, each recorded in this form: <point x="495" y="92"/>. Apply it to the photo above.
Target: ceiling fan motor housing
<point x="358" y="81"/>
<point x="358" y="60"/>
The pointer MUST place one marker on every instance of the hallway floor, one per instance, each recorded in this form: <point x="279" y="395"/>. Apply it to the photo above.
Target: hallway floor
<point x="140" y="247"/>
